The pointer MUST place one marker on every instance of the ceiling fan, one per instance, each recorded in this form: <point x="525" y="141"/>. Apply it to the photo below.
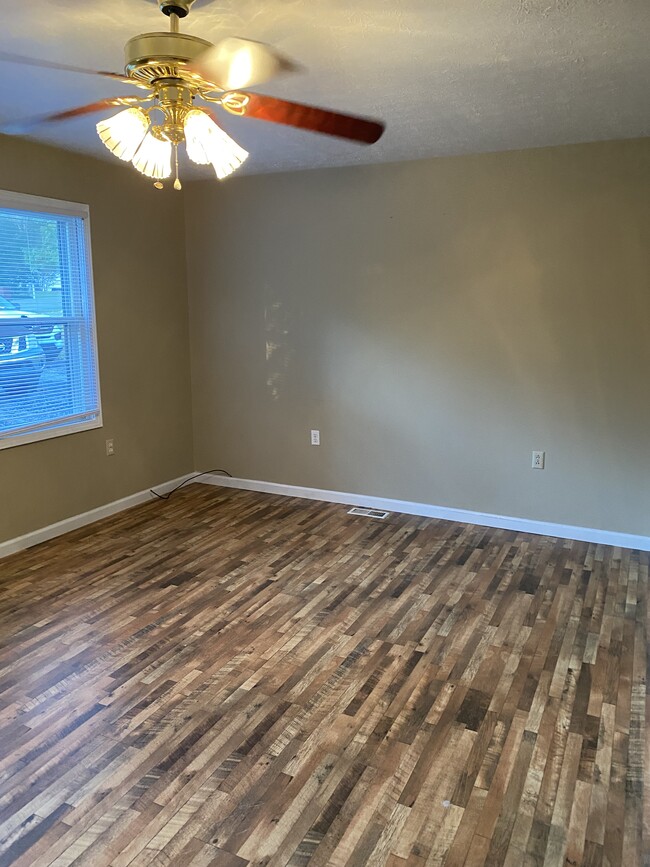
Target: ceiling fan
<point x="180" y="73"/>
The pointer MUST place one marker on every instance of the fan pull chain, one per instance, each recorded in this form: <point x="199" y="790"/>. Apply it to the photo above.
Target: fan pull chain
<point x="177" y="181"/>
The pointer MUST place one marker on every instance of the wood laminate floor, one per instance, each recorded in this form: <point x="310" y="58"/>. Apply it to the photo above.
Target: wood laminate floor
<point x="230" y="678"/>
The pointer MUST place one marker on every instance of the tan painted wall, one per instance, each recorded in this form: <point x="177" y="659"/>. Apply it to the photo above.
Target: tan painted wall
<point x="141" y="304"/>
<point x="436" y="321"/>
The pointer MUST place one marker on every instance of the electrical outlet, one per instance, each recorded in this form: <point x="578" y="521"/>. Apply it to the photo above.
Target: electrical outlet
<point x="110" y="448"/>
<point x="538" y="460"/>
<point x="315" y="437"/>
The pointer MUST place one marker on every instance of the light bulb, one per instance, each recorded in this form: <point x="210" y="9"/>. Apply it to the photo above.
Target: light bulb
<point x="208" y="143"/>
<point x="123" y="133"/>
<point x="154" y="157"/>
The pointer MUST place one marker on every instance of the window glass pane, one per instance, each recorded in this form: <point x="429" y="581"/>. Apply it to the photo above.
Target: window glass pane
<point x="48" y="359"/>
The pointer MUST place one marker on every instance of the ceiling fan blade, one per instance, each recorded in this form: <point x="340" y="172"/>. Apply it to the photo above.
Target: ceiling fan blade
<point x="359" y="129"/>
<point x="234" y="63"/>
<point x="6" y="57"/>
<point x="18" y="127"/>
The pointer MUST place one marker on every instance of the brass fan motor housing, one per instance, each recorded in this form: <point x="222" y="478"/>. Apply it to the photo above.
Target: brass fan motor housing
<point x="150" y="57"/>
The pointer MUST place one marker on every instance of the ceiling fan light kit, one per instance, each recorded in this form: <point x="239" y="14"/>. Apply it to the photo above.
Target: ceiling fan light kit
<point x="206" y="143"/>
<point x="180" y="74"/>
<point x="154" y="156"/>
<point x="123" y="133"/>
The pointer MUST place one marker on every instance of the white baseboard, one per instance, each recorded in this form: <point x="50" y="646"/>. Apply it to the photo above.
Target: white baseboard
<point x="463" y="516"/>
<point x="11" y="546"/>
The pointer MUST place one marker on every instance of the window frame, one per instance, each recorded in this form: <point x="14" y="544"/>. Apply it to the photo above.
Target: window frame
<point x="43" y="205"/>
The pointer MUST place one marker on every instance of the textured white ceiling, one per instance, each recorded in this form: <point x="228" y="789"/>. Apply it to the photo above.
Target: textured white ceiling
<point x="447" y="76"/>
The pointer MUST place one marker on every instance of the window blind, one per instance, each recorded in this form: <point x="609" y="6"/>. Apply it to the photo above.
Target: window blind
<point x="48" y="356"/>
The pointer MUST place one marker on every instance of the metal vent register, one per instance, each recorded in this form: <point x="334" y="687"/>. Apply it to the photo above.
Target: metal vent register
<point x="369" y="513"/>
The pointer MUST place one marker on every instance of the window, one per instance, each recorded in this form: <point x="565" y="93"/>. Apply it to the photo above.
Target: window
<point x="49" y="383"/>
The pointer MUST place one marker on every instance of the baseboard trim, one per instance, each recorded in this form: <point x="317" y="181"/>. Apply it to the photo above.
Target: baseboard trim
<point x="463" y="516"/>
<point x="11" y="546"/>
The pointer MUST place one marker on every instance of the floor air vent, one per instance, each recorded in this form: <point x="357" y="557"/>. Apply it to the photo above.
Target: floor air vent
<point x="369" y="513"/>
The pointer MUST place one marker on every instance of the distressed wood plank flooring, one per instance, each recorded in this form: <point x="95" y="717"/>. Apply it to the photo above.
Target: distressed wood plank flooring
<point x="230" y="678"/>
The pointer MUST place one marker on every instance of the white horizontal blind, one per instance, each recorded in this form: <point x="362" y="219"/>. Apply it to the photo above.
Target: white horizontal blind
<point x="48" y="355"/>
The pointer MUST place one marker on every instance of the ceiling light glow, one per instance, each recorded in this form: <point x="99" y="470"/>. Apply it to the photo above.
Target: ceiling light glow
<point x="154" y="157"/>
<point x="207" y="143"/>
<point x="123" y="133"/>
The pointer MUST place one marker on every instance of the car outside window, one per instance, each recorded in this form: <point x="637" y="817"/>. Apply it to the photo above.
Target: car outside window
<point x="49" y="382"/>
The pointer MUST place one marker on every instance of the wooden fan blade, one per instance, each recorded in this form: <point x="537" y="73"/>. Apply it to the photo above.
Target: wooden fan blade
<point x="359" y="129"/>
<point x="234" y="63"/>
<point x="19" y="127"/>
<point x="6" y="57"/>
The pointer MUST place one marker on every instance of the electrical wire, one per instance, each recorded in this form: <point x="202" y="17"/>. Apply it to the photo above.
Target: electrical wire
<point x="191" y="479"/>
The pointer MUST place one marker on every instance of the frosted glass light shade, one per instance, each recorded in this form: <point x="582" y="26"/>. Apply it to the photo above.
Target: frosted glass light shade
<point x="123" y="133"/>
<point x="207" y="143"/>
<point x="154" y="157"/>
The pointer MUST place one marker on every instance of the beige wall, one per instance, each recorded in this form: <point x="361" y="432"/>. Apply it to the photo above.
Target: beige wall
<point x="436" y="321"/>
<point x="141" y="304"/>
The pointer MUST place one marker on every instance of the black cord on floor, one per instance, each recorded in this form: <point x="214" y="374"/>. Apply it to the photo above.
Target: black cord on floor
<point x="191" y="479"/>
